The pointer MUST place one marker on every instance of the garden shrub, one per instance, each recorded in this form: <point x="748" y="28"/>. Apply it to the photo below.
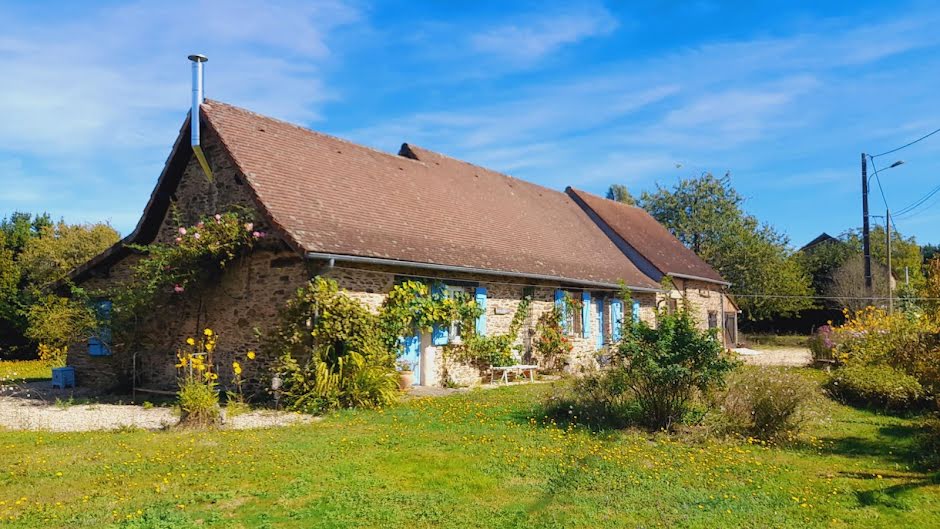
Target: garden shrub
<point x="550" y="342"/>
<point x="666" y="365"/>
<point x="877" y="386"/>
<point x="764" y="403"/>
<point x="822" y="344"/>
<point x="330" y="352"/>
<point x="600" y="400"/>
<point x="928" y="443"/>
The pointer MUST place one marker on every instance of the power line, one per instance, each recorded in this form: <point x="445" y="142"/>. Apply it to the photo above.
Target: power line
<point x="906" y="145"/>
<point x="910" y="207"/>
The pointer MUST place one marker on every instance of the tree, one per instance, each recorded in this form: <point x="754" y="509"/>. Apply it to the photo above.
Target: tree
<point x="821" y="261"/>
<point x="59" y="248"/>
<point x="906" y="256"/>
<point x="619" y="193"/>
<point x="35" y="252"/>
<point x="705" y="214"/>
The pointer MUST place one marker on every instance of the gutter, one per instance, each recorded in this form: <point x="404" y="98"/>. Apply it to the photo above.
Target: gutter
<point x="333" y="258"/>
<point x="697" y="278"/>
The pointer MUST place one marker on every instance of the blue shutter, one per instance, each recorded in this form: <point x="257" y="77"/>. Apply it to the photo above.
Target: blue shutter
<point x="636" y="312"/>
<point x="563" y="309"/>
<point x="480" y="298"/>
<point x="439" y="332"/>
<point x="616" y="319"/>
<point x="585" y="314"/>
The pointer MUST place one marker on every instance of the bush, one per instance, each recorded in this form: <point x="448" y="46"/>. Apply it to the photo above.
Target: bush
<point x="822" y="344"/>
<point x="551" y="343"/>
<point x="928" y="443"/>
<point x="600" y="400"/>
<point x="877" y="386"/>
<point x="666" y="365"/>
<point x="764" y="403"/>
<point x="331" y="353"/>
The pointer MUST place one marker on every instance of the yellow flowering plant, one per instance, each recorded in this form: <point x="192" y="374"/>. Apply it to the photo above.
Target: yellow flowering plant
<point x="236" y="403"/>
<point x="198" y="387"/>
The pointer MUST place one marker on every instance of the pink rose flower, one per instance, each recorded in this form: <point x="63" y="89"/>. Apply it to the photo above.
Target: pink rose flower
<point x="218" y="218"/>
<point x="178" y="289"/>
<point x="179" y="239"/>
<point x="196" y="235"/>
<point x="200" y="224"/>
<point x="182" y="231"/>
<point x="256" y="235"/>
<point x="249" y="226"/>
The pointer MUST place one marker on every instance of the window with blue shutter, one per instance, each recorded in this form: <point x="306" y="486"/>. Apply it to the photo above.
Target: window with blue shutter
<point x="480" y="298"/>
<point x="439" y="332"/>
<point x="585" y="314"/>
<point x="636" y="312"/>
<point x="616" y="319"/>
<point x="100" y="344"/>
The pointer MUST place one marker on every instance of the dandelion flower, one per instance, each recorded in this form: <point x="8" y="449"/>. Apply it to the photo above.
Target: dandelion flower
<point x="237" y="368"/>
<point x="251" y="355"/>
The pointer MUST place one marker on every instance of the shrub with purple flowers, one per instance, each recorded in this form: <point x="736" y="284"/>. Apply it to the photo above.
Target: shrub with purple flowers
<point x="822" y="344"/>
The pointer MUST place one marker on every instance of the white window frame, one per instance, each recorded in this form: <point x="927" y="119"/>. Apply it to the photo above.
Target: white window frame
<point x="454" y="331"/>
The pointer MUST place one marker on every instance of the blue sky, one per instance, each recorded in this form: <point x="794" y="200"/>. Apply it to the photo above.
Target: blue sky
<point x="584" y="94"/>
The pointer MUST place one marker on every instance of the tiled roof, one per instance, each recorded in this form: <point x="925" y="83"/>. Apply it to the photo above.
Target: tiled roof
<point x="648" y="237"/>
<point x="332" y="196"/>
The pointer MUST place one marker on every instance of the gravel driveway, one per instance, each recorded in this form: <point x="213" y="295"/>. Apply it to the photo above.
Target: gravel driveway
<point x="777" y="356"/>
<point x="31" y="414"/>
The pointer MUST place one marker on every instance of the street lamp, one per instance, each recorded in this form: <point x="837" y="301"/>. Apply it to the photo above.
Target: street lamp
<point x="866" y="239"/>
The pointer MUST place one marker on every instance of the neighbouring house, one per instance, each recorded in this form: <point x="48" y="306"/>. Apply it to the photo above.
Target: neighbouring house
<point x="368" y="219"/>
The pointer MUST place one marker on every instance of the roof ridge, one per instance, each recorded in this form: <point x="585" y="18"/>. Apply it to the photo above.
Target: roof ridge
<point x="487" y="169"/>
<point x="576" y="190"/>
<point x="308" y="130"/>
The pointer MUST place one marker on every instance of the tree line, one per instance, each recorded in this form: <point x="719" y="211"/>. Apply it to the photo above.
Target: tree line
<point x="36" y="253"/>
<point x="768" y="277"/>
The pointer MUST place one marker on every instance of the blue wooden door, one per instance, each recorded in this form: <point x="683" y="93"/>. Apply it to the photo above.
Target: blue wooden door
<point x="598" y="323"/>
<point x="413" y="356"/>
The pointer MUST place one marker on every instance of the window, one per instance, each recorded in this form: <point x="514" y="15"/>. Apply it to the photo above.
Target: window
<point x="100" y="343"/>
<point x="455" y="331"/>
<point x="712" y="319"/>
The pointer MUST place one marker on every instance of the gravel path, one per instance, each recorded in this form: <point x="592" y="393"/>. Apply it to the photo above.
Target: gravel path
<point x="29" y="414"/>
<point x="777" y="356"/>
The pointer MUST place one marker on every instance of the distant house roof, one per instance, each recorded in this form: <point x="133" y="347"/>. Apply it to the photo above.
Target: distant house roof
<point x="328" y="196"/>
<point x="648" y="239"/>
<point x="823" y="237"/>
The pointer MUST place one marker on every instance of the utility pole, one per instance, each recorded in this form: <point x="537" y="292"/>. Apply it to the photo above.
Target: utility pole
<point x="866" y="242"/>
<point x="888" y="244"/>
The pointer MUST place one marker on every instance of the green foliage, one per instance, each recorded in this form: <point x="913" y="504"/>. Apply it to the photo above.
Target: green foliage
<point x="494" y="350"/>
<point x="331" y="353"/>
<point x="550" y="342"/>
<point x="764" y="403"/>
<point x="905" y="253"/>
<point x="928" y="442"/>
<point x="664" y="366"/>
<point x="34" y="253"/>
<point x="411" y="307"/>
<point x="619" y="193"/>
<point x="706" y="215"/>
<point x="877" y="386"/>
<point x="822" y="260"/>
<point x="59" y="248"/>
<point x="56" y="321"/>
<point x="199" y="403"/>
<point x="199" y="251"/>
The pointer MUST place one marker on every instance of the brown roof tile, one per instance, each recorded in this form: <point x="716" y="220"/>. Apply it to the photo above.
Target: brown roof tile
<point x="336" y="197"/>
<point x="648" y="237"/>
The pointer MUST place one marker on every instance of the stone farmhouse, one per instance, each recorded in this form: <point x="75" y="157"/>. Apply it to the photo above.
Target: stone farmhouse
<point x="368" y="219"/>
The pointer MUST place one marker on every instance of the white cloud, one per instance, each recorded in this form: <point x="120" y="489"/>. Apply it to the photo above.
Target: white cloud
<point x="536" y="36"/>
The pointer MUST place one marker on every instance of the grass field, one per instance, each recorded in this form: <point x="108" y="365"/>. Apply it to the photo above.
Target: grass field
<point x="482" y="459"/>
<point x="24" y="370"/>
<point x="775" y="341"/>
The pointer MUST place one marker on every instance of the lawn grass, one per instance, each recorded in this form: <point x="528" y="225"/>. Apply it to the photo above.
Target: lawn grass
<point x="24" y="370"/>
<point x="775" y="341"/>
<point x="481" y="459"/>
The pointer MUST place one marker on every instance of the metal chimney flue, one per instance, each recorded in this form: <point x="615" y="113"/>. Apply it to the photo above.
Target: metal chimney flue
<point x="194" y="121"/>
